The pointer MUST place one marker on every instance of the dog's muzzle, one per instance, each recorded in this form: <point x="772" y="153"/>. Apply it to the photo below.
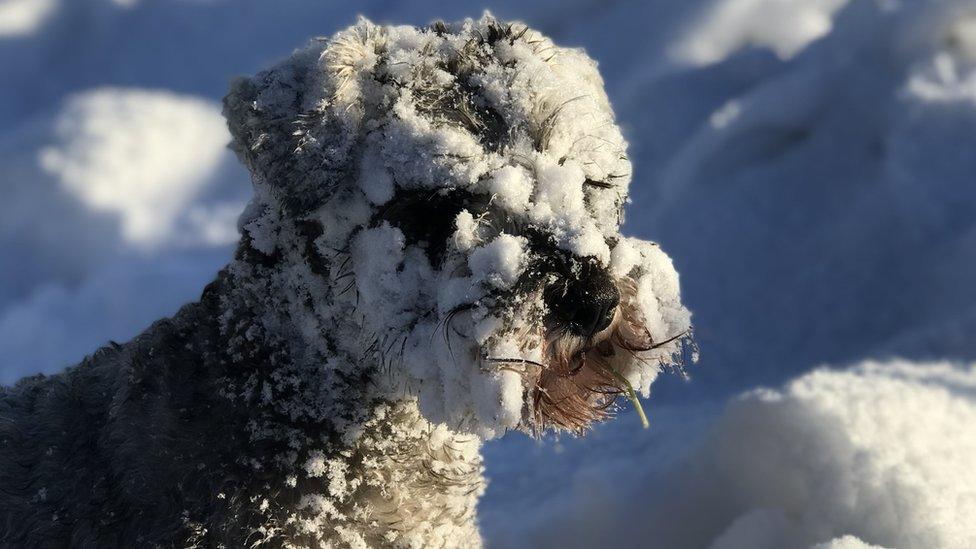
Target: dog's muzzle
<point x="585" y="304"/>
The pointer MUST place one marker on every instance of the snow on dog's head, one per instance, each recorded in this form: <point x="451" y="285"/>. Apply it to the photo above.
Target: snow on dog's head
<point x="456" y="192"/>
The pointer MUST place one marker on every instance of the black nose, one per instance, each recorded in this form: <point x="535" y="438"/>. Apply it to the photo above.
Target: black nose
<point x="584" y="304"/>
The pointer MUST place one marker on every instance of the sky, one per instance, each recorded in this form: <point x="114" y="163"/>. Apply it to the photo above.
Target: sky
<point x="807" y="165"/>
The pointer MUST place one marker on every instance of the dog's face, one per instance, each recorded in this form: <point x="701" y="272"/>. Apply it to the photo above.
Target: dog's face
<point x="456" y="193"/>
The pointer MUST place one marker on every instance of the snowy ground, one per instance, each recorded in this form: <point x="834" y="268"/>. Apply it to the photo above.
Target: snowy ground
<point x="808" y="164"/>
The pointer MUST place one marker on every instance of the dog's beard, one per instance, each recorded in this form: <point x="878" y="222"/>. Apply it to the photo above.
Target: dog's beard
<point x="486" y="359"/>
<point x="578" y="379"/>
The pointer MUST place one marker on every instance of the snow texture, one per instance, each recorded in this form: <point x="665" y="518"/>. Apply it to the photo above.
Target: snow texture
<point x="833" y="194"/>
<point x="876" y="455"/>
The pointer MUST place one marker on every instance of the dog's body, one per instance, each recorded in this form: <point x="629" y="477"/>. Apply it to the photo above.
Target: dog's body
<point x="431" y="258"/>
<point x="141" y="445"/>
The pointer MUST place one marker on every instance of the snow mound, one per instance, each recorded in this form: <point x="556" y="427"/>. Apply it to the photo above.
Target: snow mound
<point x="144" y="155"/>
<point x="883" y="451"/>
<point x="880" y="454"/>
<point x="726" y="26"/>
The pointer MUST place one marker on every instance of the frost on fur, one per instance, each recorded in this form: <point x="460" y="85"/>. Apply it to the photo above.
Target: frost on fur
<point x="446" y="180"/>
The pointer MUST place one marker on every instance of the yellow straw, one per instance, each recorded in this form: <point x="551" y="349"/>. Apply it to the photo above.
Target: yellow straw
<point x="632" y="395"/>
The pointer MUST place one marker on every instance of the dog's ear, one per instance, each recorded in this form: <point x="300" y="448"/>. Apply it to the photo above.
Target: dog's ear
<point x="243" y="120"/>
<point x="296" y="149"/>
<point x="259" y="132"/>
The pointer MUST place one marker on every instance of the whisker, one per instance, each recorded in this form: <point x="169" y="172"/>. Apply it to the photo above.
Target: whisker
<point x="513" y="361"/>
<point x="656" y="345"/>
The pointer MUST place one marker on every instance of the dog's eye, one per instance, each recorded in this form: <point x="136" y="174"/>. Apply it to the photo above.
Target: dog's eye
<point x="426" y="218"/>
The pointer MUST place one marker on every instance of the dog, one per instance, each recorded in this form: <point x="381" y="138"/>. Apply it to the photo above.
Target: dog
<point x="431" y="258"/>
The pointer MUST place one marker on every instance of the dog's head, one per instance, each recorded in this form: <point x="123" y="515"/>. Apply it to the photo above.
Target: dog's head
<point x="456" y="191"/>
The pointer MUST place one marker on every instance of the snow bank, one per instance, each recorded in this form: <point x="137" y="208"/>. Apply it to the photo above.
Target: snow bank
<point x="879" y="454"/>
<point x="883" y="451"/>
<point x="143" y="155"/>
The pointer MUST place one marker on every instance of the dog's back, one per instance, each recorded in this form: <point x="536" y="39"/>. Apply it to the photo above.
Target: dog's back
<point x="128" y="447"/>
<point x="138" y="446"/>
<point x="53" y="454"/>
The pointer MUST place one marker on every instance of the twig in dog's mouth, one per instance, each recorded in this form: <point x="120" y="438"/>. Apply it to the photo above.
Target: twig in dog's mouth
<point x="574" y="383"/>
<point x="632" y="396"/>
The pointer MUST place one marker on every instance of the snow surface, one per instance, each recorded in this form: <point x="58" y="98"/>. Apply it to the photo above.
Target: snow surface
<point x="810" y="175"/>
<point x="881" y="452"/>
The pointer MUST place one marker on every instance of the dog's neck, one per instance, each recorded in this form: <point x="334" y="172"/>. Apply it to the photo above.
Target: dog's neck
<point x="309" y="450"/>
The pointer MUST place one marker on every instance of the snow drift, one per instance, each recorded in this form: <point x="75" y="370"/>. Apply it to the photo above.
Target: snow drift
<point x="881" y="452"/>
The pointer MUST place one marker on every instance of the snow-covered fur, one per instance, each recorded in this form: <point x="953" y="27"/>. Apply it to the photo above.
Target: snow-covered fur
<point x="431" y="258"/>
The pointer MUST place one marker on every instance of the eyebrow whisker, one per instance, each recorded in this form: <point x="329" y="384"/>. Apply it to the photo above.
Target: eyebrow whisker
<point x="600" y="184"/>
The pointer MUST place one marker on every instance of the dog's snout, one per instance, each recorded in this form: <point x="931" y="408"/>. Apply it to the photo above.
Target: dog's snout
<point x="585" y="305"/>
